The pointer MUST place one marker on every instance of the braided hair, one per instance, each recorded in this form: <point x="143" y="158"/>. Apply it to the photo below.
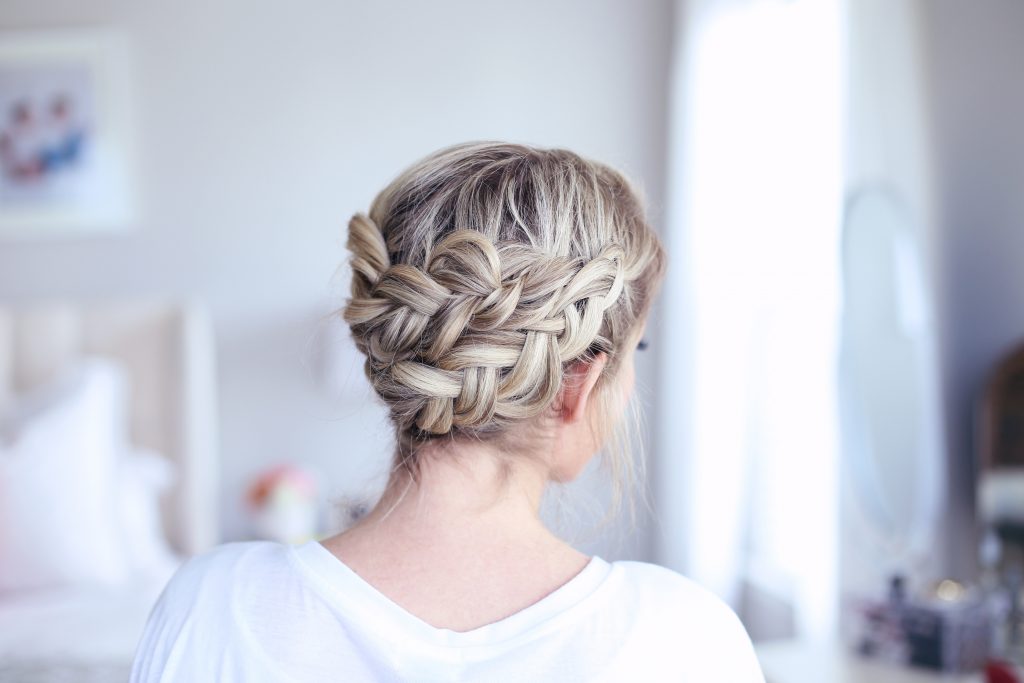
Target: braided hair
<point x="482" y="272"/>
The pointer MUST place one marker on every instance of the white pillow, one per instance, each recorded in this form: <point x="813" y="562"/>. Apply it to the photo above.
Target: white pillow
<point x="144" y="476"/>
<point x="58" y="482"/>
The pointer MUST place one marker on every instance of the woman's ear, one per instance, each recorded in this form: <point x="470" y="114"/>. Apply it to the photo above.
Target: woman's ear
<point x="578" y="388"/>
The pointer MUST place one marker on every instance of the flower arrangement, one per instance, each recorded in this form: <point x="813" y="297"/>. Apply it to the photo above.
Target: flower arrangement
<point x="283" y="500"/>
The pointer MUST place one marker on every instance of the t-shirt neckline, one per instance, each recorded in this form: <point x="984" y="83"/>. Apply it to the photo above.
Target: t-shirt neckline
<point x="341" y="584"/>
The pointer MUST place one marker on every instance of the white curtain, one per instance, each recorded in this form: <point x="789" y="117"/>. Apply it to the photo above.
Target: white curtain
<point x="747" y="440"/>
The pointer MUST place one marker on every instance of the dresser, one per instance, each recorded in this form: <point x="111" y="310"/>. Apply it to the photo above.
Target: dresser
<point x="795" y="662"/>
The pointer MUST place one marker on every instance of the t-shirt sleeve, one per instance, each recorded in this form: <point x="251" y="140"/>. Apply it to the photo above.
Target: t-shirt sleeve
<point x="726" y="652"/>
<point x="742" y="665"/>
<point x="730" y="653"/>
<point x="697" y="634"/>
<point x="181" y="625"/>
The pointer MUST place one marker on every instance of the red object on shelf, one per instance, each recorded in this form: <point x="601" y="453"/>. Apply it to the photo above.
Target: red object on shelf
<point x="1000" y="672"/>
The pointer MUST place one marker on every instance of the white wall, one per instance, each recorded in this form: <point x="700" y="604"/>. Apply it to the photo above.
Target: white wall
<point x="977" y="60"/>
<point x="895" y="524"/>
<point x="264" y="126"/>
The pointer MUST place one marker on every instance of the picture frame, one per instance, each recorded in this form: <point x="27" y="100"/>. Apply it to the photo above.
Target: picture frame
<point x="67" y="136"/>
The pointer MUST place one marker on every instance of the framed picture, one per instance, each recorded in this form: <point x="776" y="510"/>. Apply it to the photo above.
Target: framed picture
<point x="66" y="133"/>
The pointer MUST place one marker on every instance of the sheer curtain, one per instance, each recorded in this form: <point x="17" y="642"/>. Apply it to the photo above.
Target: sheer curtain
<point x="747" y="440"/>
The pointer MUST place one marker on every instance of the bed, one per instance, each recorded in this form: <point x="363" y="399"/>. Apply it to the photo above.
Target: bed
<point x="88" y="631"/>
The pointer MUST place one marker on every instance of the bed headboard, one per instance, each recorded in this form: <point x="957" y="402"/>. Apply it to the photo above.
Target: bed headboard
<point x="168" y="351"/>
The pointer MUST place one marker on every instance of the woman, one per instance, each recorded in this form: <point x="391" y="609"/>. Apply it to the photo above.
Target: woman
<point x="498" y="293"/>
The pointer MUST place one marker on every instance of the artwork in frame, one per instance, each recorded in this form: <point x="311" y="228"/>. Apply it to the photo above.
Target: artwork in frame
<point x="66" y="133"/>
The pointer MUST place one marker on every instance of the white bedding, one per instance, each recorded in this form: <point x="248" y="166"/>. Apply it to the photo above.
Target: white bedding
<point x="57" y="621"/>
<point x="80" y="633"/>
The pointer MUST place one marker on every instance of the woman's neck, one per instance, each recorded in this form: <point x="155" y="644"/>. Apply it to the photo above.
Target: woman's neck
<point x="463" y="509"/>
<point x="461" y="544"/>
<point x="460" y="490"/>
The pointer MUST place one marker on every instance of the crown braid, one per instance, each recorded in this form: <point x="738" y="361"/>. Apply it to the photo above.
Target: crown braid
<point x="498" y="318"/>
<point x="481" y="272"/>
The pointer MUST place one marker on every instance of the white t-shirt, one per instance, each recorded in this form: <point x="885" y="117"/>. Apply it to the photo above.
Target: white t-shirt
<point x="265" y="611"/>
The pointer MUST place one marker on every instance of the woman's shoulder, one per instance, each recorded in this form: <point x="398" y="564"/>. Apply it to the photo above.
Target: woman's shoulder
<point x="665" y="584"/>
<point x="197" y="608"/>
<point x="230" y="556"/>
<point x="207" y="580"/>
<point x="665" y="601"/>
<point x="222" y="563"/>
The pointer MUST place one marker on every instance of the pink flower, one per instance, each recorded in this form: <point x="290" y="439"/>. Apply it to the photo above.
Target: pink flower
<point x="284" y="476"/>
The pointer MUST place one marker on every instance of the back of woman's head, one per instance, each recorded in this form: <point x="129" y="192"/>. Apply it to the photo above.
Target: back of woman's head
<point x="482" y="273"/>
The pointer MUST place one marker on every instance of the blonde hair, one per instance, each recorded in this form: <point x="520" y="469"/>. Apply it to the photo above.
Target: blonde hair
<point x="481" y="273"/>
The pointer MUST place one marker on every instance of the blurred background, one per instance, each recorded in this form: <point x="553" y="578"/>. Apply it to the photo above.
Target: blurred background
<point x="834" y="392"/>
